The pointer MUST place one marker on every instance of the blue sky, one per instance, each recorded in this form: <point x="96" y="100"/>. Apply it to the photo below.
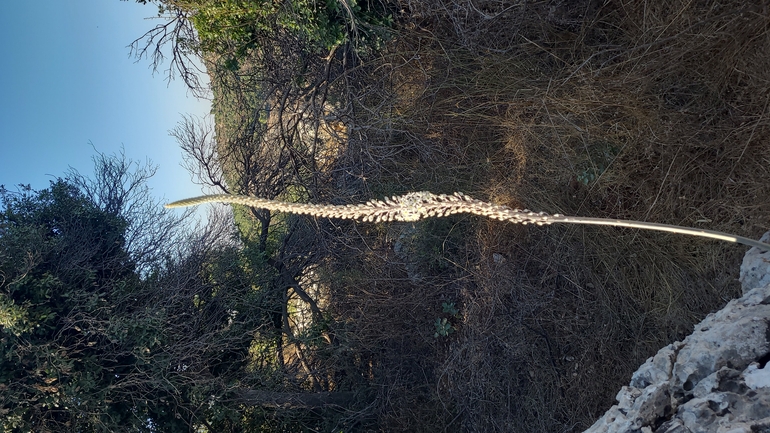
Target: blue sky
<point x="66" y="80"/>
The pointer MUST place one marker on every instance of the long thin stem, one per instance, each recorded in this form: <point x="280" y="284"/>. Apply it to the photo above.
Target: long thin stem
<point x="713" y="234"/>
<point x="418" y="205"/>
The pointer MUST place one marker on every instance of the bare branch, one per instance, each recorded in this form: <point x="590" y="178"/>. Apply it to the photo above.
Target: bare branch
<point x="197" y="139"/>
<point x="178" y="33"/>
<point x="119" y="187"/>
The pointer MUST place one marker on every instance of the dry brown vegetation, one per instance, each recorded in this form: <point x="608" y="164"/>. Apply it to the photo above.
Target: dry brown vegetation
<point x="653" y="111"/>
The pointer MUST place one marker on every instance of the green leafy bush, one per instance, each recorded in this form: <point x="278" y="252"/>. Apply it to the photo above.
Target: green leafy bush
<point x="246" y="24"/>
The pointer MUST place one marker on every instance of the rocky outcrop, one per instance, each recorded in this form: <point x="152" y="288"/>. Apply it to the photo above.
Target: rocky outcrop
<point x="716" y="380"/>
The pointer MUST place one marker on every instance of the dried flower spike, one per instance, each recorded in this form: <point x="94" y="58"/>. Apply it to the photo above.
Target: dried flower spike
<point x="415" y="206"/>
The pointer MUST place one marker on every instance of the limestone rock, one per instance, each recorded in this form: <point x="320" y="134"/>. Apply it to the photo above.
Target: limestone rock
<point x="755" y="269"/>
<point x="715" y="381"/>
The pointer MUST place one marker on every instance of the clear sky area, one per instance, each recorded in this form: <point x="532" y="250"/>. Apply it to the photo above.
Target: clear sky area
<point x="67" y="83"/>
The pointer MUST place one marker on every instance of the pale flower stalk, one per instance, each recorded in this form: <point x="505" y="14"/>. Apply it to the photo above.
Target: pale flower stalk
<point x="415" y="206"/>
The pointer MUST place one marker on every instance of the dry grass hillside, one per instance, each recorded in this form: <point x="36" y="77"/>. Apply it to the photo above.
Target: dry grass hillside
<point x="652" y="111"/>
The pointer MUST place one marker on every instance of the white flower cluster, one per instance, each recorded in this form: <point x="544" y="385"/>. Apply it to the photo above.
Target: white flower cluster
<point x="409" y="207"/>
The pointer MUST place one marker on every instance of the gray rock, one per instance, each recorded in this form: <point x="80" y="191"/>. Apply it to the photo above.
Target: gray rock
<point x="755" y="269"/>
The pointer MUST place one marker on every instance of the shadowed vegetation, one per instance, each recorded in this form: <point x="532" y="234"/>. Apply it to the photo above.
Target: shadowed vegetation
<point x="612" y="110"/>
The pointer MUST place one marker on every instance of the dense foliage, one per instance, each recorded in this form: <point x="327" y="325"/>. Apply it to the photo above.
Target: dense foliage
<point x="65" y="273"/>
<point x="247" y="23"/>
<point x="237" y="29"/>
<point x="89" y="341"/>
